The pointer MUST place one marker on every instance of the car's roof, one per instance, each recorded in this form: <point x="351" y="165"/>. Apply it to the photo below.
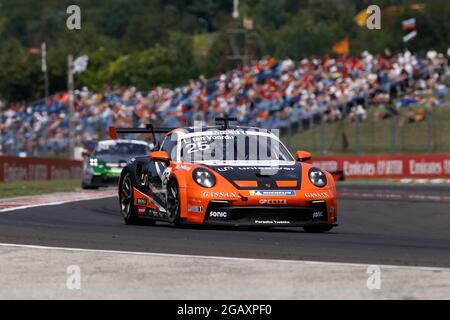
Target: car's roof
<point x="123" y="141"/>
<point x="190" y="132"/>
<point x="219" y="128"/>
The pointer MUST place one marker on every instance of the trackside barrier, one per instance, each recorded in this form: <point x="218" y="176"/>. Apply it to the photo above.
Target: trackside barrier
<point x="381" y="166"/>
<point x="20" y="169"/>
<point x="387" y="166"/>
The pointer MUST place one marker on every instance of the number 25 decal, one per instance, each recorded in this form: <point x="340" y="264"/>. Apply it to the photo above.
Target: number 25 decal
<point x="194" y="147"/>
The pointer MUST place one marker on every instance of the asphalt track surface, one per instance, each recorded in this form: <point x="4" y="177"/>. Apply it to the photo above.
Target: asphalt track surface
<point x="373" y="230"/>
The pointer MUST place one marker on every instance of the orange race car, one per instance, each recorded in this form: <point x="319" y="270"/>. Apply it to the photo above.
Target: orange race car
<point x="225" y="175"/>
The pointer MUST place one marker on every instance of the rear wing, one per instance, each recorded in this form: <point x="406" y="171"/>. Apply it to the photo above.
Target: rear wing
<point x="225" y="122"/>
<point x="114" y="132"/>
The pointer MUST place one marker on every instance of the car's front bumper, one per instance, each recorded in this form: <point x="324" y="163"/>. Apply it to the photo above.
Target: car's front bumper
<point x="245" y="208"/>
<point x="315" y="215"/>
<point x="104" y="180"/>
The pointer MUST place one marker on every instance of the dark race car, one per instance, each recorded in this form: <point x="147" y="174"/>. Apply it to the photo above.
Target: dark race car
<point x="103" y="166"/>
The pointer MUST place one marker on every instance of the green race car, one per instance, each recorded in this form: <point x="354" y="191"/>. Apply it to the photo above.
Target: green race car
<point x="102" y="166"/>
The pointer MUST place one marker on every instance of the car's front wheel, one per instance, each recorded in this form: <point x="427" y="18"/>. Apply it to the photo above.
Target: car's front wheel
<point x="126" y="201"/>
<point x="317" y="229"/>
<point x="173" y="203"/>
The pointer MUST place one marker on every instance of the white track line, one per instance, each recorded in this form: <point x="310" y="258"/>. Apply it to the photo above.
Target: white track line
<point x="169" y="255"/>
<point x="424" y="181"/>
<point x="56" y="203"/>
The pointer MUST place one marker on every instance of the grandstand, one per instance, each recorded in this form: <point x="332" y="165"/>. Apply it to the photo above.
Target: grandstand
<point x="293" y="96"/>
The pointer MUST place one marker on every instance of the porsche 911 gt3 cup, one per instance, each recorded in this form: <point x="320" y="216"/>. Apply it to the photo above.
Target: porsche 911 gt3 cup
<point x="226" y="175"/>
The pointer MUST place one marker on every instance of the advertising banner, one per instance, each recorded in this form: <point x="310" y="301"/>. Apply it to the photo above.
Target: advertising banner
<point x="20" y="169"/>
<point x="387" y="166"/>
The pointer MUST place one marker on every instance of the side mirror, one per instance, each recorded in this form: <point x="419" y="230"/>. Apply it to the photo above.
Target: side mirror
<point x="160" y="156"/>
<point x="303" y="156"/>
<point x="86" y="153"/>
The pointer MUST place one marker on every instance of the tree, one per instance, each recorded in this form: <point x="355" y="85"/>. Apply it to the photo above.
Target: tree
<point x="96" y="74"/>
<point x="151" y="67"/>
<point x="19" y="76"/>
<point x="302" y="36"/>
<point x="181" y="51"/>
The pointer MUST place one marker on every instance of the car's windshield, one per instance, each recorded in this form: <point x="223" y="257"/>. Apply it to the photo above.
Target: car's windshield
<point x="121" y="148"/>
<point x="235" y="146"/>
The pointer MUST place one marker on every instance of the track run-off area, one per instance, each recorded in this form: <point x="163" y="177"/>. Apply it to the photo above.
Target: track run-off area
<point x="393" y="242"/>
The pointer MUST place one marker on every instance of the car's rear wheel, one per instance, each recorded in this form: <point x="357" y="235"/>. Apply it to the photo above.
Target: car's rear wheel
<point x="173" y="203"/>
<point x="317" y="229"/>
<point x="126" y="201"/>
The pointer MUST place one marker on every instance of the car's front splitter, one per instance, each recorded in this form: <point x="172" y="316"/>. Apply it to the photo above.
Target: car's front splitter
<point x="105" y="180"/>
<point x="218" y="214"/>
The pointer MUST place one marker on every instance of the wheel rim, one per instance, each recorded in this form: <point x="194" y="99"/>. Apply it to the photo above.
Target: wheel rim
<point x="126" y="197"/>
<point x="173" y="202"/>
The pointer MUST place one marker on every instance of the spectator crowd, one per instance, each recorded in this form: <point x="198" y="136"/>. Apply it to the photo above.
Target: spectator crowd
<point x="267" y="93"/>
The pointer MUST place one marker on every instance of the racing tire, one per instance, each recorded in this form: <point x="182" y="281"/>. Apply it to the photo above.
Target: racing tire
<point x="317" y="229"/>
<point x="127" y="202"/>
<point x="173" y="203"/>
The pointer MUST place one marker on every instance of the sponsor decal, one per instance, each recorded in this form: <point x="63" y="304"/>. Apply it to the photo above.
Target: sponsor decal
<point x="255" y="168"/>
<point x="196" y="209"/>
<point x="317" y="214"/>
<point x="267" y="168"/>
<point x="389" y="167"/>
<point x="213" y="135"/>
<point x="141" y="201"/>
<point x="212" y="194"/>
<point x="183" y="167"/>
<point x="273" y="201"/>
<point x="271" y="222"/>
<point x="425" y="168"/>
<point x="316" y="195"/>
<point x="225" y="169"/>
<point x="218" y="214"/>
<point x="19" y="169"/>
<point x="142" y="211"/>
<point x="357" y="169"/>
<point x="281" y="193"/>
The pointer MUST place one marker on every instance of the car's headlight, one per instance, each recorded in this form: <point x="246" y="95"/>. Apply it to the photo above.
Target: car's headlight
<point x="96" y="163"/>
<point x="204" y="177"/>
<point x="93" y="162"/>
<point x="317" y="177"/>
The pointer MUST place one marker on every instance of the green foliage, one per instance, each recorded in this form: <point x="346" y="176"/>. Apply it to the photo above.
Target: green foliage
<point x="303" y="36"/>
<point x="143" y="69"/>
<point x="181" y="52"/>
<point x="150" y="42"/>
<point x="97" y="73"/>
<point x="18" y="72"/>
